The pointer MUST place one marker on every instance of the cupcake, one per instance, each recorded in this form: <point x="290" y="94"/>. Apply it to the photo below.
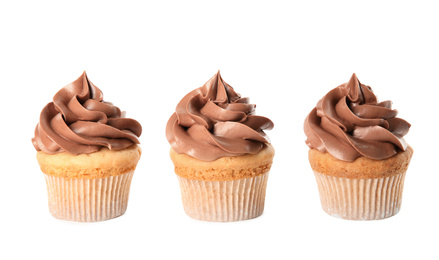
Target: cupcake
<point x="88" y="153"/>
<point x="220" y="152"/>
<point x="357" y="153"/>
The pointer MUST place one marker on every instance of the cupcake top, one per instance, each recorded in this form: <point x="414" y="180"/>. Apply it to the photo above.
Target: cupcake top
<point x="349" y="122"/>
<point x="78" y="121"/>
<point x="213" y="121"/>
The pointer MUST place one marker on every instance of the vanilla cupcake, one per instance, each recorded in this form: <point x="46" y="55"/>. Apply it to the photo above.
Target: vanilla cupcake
<point x="358" y="153"/>
<point x="220" y="152"/>
<point x="88" y="153"/>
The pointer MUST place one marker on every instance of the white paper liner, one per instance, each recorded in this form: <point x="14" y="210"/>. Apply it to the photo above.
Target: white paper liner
<point x="223" y="201"/>
<point x="360" y="199"/>
<point x="88" y="200"/>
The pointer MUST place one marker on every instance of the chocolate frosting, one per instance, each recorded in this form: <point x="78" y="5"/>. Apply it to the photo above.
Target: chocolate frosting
<point x="78" y="121"/>
<point x="349" y="122"/>
<point x="214" y="121"/>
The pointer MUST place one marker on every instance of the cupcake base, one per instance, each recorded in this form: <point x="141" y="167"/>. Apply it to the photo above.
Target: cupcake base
<point x="360" y="199"/>
<point x="224" y="201"/>
<point x="88" y="200"/>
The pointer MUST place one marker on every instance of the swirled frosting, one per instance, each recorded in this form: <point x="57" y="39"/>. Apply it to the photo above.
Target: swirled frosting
<point x="348" y="122"/>
<point x="213" y="121"/>
<point x="78" y="121"/>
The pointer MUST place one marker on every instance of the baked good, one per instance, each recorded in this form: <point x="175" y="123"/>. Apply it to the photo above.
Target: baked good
<point x="358" y="153"/>
<point x="220" y="153"/>
<point x="88" y="153"/>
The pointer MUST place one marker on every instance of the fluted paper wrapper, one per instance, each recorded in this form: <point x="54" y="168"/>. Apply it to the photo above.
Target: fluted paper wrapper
<point x="223" y="201"/>
<point x="88" y="200"/>
<point x="360" y="199"/>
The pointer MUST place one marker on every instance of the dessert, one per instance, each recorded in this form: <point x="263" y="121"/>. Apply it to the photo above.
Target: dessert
<point x="220" y="153"/>
<point x="88" y="153"/>
<point x="358" y="153"/>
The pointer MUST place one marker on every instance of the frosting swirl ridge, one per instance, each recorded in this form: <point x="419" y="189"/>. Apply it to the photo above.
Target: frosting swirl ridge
<point x="78" y="121"/>
<point x="214" y="121"/>
<point x="349" y="122"/>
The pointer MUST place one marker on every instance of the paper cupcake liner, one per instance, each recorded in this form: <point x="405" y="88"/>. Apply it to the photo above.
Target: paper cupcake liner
<point x="360" y="199"/>
<point x="223" y="201"/>
<point x="88" y="200"/>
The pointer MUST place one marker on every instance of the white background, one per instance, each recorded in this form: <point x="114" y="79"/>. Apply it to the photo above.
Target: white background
<point x="285" y="56"/>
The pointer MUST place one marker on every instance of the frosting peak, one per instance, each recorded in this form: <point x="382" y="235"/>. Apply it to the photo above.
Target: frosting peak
<point x="349" y="122"/>
<point x="214" y="121"/>
<point x="78" y="121"/>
